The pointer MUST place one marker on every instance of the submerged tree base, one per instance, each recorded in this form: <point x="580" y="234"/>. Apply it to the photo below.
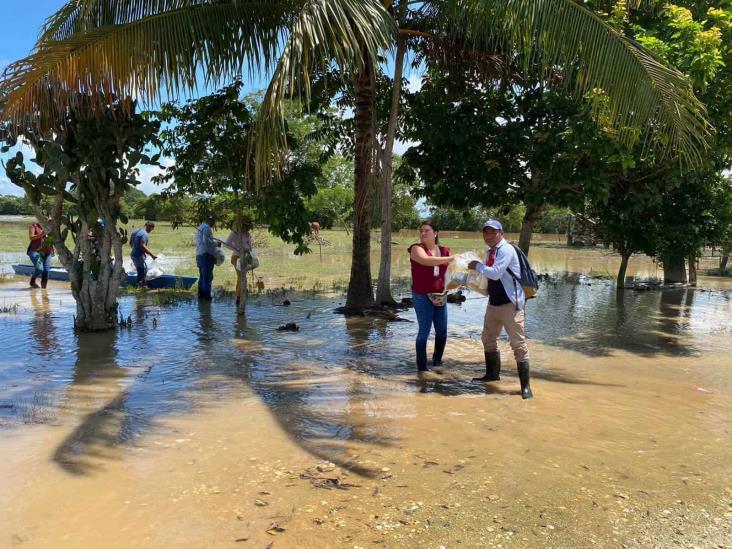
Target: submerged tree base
<point x="380" y="311"/>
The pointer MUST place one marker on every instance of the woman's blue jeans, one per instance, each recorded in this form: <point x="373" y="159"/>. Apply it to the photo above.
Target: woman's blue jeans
<point x="41" y="264"/>
<point x="427" y="316"/>
<point x="205" y="264"/>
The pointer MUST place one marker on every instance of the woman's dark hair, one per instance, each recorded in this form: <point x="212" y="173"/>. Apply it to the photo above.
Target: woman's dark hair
<point x="433" y="226"/>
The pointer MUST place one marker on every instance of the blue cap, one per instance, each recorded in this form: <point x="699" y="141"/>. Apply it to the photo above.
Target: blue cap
<point x="493" y="224"/>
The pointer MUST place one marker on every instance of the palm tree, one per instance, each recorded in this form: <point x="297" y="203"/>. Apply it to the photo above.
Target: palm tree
<point x="146" y="48"/>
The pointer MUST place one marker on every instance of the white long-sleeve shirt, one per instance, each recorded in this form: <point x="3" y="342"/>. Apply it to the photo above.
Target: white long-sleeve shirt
<point x="505" y="258"/>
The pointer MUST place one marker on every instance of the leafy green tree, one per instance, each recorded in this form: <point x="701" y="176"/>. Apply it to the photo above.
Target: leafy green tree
<point x="90" y="160"/>
<point x="487" y="144"/>
<point x="14" y="205"/>
<point x="167" y="44"/>
<point x="132" y="203"/>
<point x="672" y="212"/>
<point x="206" y="136"/>
<point x="332" y="206"/>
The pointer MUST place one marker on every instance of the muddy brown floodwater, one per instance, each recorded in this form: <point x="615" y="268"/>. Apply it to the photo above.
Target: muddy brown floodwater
<point x="192" y="428"/>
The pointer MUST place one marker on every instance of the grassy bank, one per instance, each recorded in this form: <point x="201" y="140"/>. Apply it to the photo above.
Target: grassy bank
<point x="326" y="269"/>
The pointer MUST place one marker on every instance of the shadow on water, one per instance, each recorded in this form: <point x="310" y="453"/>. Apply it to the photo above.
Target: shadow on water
<point x="336" y="386"/>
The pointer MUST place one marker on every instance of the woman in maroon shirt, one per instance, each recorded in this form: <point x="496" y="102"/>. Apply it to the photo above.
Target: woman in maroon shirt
<point x="429" y="262"/>
<point x="40" y="253"/>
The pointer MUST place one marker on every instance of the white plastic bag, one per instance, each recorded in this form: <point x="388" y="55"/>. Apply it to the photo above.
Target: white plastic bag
<point x="458" y="274"/>
<point x="152" y="269"/>
<point x="220" y="256"/>
<point x="248" y="261"/>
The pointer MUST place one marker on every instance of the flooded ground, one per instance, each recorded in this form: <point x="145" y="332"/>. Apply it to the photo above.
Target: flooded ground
<point x="195" y="428"/>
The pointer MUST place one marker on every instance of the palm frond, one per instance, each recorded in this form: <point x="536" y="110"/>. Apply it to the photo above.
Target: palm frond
<point x="167" y="51"/>
<point x="326" y="32"/>
<point x="642" y="92"/>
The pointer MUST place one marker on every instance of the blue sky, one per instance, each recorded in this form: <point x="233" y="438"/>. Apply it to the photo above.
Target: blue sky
<point x="21" y="26"/>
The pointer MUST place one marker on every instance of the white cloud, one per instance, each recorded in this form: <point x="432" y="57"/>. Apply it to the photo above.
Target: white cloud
<point x="148" y="172"/>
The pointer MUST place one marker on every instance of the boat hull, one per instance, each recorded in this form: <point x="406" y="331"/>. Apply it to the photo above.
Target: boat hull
<point x="163" y="281"/>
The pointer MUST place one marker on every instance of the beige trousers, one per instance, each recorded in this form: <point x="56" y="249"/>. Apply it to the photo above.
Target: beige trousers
<point x="505" y="316"/>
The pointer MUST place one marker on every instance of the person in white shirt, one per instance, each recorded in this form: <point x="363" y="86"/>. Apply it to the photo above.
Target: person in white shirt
<point x="505" y="308"/>
<point x="240" y="241"/>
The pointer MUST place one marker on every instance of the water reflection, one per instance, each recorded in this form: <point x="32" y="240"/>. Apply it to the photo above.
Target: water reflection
<point x="335" y="386"/>
<point x="43" y="331"/>
<point x="96" y="374"/>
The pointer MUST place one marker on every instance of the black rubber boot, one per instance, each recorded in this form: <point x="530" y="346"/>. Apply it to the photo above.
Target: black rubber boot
<point x="44" y="282"/>
<point x="523" y="372"/>
<point x="492" y="367"/>
<point x="33" y="282"/>
<point x="439" y="350"/>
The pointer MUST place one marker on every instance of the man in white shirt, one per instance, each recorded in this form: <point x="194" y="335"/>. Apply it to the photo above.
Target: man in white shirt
<point x="505" y="309"/>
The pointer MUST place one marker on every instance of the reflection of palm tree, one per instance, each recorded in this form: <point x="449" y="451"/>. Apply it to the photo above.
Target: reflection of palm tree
<point x="42" y="327"/>
<point x="104" y="426"/>
<point x="167" y="44"/>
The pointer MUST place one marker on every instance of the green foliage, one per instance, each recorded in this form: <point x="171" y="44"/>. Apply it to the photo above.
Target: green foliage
<point x="485" y="144"/>
<point x="661" y="210"/>
<point x="88" y="163"/>
<point x="14" y="205"/>
<point x="332" y="206"/>
<point x="207" y="137"/>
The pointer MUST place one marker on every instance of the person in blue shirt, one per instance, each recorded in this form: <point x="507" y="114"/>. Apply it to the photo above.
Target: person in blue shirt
<point x="206" y="256"/>
<point x="139" y="241"/>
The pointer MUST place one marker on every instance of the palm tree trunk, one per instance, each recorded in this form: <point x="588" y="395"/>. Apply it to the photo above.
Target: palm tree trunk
<point x="383" y="285"/>
<point x="532" y="214"/>
<point x="360" y="290"/>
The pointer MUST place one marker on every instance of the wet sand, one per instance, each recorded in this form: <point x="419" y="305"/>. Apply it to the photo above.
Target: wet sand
<point x="209" y="431"/>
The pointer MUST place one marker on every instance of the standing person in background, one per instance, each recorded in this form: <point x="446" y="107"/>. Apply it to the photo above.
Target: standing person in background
<point x="428" y="263"/>
<point x="205" y="256"/>
<point x="506" y="300"/>
<point x="40" y="254"/>
<point x="240" y="241"/>
<point x="139" y="241"/>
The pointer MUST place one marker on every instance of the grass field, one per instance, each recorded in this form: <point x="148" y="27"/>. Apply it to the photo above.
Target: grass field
<point x="326" y="269"/>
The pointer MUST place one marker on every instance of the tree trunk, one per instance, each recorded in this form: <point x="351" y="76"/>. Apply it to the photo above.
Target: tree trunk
<point x="360" y="290"/>
<point x="532" y="214"/>
<point x="723" y="260"/>
<point x="625" y="257"/>
<point x="692" y="270"/>
<point x="383" y="285"/>
<point x="674" y="270"/>
<point x="241" y="309"/>
<point x="95" y="280"/>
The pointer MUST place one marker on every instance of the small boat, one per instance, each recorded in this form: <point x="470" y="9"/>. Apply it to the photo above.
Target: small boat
<point x="163" y="281"/>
